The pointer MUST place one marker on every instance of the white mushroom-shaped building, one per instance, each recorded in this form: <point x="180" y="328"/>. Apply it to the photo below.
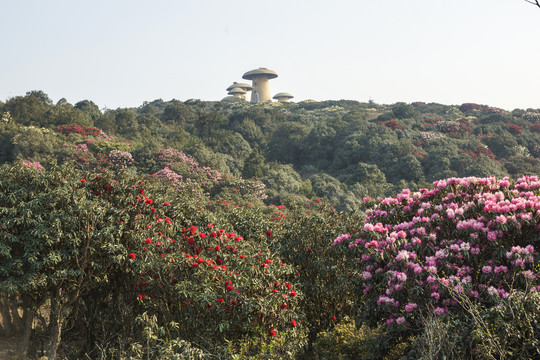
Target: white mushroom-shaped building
<point x="283" y="97"/>
<point x="242" y="86"/>
<point x="238" y="93"/>
<point x="261" y="89"/>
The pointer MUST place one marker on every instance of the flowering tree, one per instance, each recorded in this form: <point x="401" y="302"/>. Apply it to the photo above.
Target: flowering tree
<point x="466" y="240"/>
<point x="53" y="227"/>
<point x="101" y="244"/>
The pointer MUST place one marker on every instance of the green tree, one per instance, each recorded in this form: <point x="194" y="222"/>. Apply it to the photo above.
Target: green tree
<point x="249" y="131"/>
<point x="231" y="143"/>
<point x="126" y="123"/>
<point x="284" y="146"/>
<point x="207" y="119"/>
<point x="176" y="112"/>
<point x="33" y="143"/>
<point x="368" y="176"/>
<point x="404" y="111"/>
<point x="28" y="109"/>
<point x="52" y="244"/>
<point x="90" y="108"/>
<point x="317" y="147"/>
<point x="254" y="165"/>
<point x="282" y="182"/>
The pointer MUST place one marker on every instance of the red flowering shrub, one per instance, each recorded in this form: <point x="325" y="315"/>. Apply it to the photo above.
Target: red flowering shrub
<point x="84" y="131"/>
<point x="392" y="124"/>
<point x="480" y="150"/>
<point x="225" y="286"/>
<point x="125" y="251"/>
<point x="515" y="129"/>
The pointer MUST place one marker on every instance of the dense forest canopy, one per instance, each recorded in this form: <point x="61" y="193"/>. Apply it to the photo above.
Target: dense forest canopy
<point x="340" y="150"/>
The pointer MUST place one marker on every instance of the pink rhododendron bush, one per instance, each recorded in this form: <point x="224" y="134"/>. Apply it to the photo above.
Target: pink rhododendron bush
<point x="451" y="253"/>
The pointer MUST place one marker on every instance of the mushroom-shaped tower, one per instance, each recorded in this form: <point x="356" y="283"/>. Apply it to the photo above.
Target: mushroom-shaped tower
<point x="283" y="97"/>
<point x="260" y="77"/>
<point x="238" y="93"/>
<point x="243" y="86"/>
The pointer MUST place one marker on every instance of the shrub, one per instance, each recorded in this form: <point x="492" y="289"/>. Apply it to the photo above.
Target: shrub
<point x="101" y="252"/>
<point x="343" y="342"/>
<point x="472" y="236"/>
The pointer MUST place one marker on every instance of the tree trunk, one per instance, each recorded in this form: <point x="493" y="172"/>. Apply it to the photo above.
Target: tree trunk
<point x="6" y="325"/>
<point x="55" y="329"/>
<point x="24" y="340"/>
<point x="18" y="320"/>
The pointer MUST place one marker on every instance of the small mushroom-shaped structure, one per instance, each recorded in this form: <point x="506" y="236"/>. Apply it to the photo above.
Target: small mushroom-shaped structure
<point x="238" y="93"/>
<point x="283" y="97"/>
<point x="229" y="98"/>
<point x="243" y="86"/>
<point x="260" y="77"/>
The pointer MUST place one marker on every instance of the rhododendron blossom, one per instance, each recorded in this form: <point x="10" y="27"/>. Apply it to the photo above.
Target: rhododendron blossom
<point x="472" y="236"/>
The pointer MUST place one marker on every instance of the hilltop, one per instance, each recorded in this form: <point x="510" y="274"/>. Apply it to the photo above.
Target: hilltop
<point x="341" y="151"/>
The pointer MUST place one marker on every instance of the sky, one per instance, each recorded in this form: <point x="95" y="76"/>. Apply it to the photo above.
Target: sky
<point x="121" y="53"/>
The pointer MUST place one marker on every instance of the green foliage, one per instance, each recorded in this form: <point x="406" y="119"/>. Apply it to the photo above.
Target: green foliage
<point x="510" y="330"/>
<point x="176" y="112"/>
<point x="344" y="342"/>
<point x="285" y="346"/>
<point x="281" y="182"/>
<point x="90" y="108"/>
<point x="284" y="145"/>
<point x="34" y="143"/>
<point x="323" y="271"/>
<point x="254" y="166"/>
<point x="404" y="111"/>
<point x="330" y="137"/>
<point x="28" y="110"/>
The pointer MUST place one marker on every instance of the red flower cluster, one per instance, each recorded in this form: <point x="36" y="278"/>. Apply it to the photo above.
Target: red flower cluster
<point x="515" y="129"/>
<point x="82" y="130"/>
<point x="484" y="150"/>
<point x="392" y="124"/>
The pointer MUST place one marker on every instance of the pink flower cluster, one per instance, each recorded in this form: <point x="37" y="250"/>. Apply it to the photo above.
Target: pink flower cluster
<point x="472" y="236"/>
<point x="120" y="159"/>
<point x="33" y="165"/>
<point x="192" y="174"/>
<point x="168" y="175"/>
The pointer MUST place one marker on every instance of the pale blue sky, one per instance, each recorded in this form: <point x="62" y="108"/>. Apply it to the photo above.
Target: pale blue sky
<point x="120" y="53"/>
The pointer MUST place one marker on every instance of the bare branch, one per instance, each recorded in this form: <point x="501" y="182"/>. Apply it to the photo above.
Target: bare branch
<point x="535" y="2"/>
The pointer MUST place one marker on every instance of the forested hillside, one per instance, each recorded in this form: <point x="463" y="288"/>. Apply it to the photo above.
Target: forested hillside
<point x="229" y="230"/>
<point x="338" y="150"/>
